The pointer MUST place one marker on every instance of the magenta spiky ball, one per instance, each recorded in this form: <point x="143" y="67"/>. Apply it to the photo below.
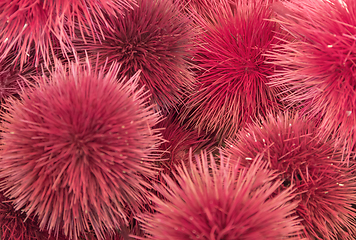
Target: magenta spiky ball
<point x="232" y="69"/>
<point x="156" y="38"/>
<point x="76" y="149"/>
<point x="317" y="66"/>
<point x="297" y="150"/>
<point x="210" y="202"/>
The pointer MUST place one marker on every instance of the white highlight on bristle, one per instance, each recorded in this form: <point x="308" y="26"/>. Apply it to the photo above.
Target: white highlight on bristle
<point x="6" y="39"/>
<point x="330" y="46"/>
<point x="348" y="113"/>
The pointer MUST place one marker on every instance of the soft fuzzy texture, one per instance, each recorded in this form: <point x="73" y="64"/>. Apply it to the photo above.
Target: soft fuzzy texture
<point x="211" y="202"/>
<point x="318" y="66"/>
<point x="326" y="188"/>
<point x="232" y="83"/>
<point x="156" y="38"/>
<point x="76" y="150"/>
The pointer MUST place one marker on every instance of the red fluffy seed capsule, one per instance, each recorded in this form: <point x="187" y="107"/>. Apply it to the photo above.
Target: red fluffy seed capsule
<point x="325" y="187"/>
<point x="17" y="226"/>
<point x="154" y="37"/>
<point x="77" y="150"/>
<point x="234" y="75"/>
<point x="210" y="202"/>
<point x="318" y="66"/>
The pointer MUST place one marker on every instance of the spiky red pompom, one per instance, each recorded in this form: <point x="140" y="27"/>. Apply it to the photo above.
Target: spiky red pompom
<point x="17" y="226"/>
<point x="154" y="37"/>
<point x="319" y="68"/>
<point x="210" y="202"/>
<point x="75" y="149"/>
<point x="326" y="188"/>
<point x="233" y="79"/>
